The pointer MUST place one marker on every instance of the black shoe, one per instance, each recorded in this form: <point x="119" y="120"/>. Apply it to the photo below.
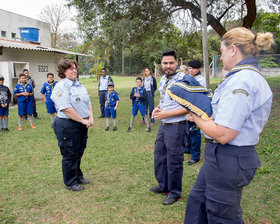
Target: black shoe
<point x="148" y="129"/>
<point x="38" y="118"/>
<point x="6" y="129"/>
<point x="191" y="162"/>
<point x="3" y="129"/>
<point x="115" y="128"/>
<point x="83" y="181"/>
<point x="169" y="201"/>
<point x="156" y="190"/>
<point x="25" y="118"/>
<point x="107" y="128"/>
<point x="129" y="129"/>
<point x="101" y="116"/>
<point x="75" y="187"/>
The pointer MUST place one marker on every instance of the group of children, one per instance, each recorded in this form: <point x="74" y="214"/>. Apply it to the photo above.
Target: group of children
<point x="138" y="96"/>
<point x="24" y="92"/>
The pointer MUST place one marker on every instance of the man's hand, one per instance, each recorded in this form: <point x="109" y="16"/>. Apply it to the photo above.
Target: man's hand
<point x="4" y="105"/>
<point x="159" y="114"/>
<point x="115" y="108"/>
<point x="190" y="117"/>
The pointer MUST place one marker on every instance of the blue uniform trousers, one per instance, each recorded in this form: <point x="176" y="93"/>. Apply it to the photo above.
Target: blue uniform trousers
<point x="72" y="140"/>
<point x="216" y="194"/>
<point x="169" y="157"/>
<point x="102" y="95"/>
<point x="149" y="104"/>
<point x="194" y="141"/>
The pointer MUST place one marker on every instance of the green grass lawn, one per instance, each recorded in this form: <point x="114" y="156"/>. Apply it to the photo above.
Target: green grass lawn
<point x="120" y="166"/>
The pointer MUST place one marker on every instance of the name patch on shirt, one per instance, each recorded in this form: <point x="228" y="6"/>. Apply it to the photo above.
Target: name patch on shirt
<point x="240" y="91"/>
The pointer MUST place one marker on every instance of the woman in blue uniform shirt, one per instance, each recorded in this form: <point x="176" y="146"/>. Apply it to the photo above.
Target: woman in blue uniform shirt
<point x="74" y="117"/>
<point x="241" y="106"/>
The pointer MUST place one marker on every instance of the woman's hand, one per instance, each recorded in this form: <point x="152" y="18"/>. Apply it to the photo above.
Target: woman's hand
<point x="90" y="122"/>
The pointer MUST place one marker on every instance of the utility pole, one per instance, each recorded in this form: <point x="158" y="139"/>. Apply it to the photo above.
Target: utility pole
<point x="122" y="58"/>
<point x="205" y="41"/>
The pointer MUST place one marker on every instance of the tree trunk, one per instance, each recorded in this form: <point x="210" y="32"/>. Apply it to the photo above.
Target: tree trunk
<point x="122" y="59"/>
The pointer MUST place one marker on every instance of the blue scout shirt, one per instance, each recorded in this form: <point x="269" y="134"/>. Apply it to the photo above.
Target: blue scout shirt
<point x="111" y="98"/>
<point x="47" y="89"/>
<point x="166" y="103"/>
<point x="141" y="92"/>
<point x="68" y="94"/>
<point x="242" y="103"/>
<point x="23" y="88"/>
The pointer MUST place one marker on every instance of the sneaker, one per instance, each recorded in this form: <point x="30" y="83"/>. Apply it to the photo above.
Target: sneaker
<point x="19" y="128"/>
<point x="191" y="162"/>
<point x="152" y="124"/>
<point x="129" y="129"/>
<point x="38" y="118"/>
<point x="83" y="181"/>
<point x="3" y="129"/>
<point x="32" y="126"/>
<point x="115" y="128"/>
<point x="101" y="116"/>
<point x="148" y="129"/>
<point x="75" y="187"/>
<point x="142" y="122"/>
<point x="6" y="129"/>
<point x="107" y="128"/>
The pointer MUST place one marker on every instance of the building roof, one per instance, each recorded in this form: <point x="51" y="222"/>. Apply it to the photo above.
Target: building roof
<point x="34" y="47"/>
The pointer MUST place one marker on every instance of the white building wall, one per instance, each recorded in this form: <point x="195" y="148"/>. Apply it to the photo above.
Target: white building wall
<point x="39" y="64"/>
<point x="10" y="22"/>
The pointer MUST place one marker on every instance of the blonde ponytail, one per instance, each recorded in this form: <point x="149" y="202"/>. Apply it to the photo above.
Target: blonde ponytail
<point x="264" y="40"/>
<point x="248" y="43"/>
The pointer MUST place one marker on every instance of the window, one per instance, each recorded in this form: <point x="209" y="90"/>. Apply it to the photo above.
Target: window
<point x="14" y="35"/>
<point x="3" y="33"/>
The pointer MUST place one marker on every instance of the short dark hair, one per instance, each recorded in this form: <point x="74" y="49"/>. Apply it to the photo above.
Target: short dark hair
<point x="169" y="53"/>
<point x="50" y="74"/>
<point x="21" y="74"/>
<point x="25" y="70"/>
<point x="64" y="65"/>
<point x="103" y="69"/>
<point x="139" y="78"/>
<point x="194" y="64"/>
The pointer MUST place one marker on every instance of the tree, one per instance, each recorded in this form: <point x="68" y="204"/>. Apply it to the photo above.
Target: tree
<point x="55" y="15"/>
<point x="148" y="14"/>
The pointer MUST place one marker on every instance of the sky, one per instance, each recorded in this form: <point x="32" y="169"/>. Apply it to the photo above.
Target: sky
<point x="31" y="8"/>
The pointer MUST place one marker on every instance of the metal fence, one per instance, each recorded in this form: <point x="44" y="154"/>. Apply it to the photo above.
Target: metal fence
<point x="270" y="66"/>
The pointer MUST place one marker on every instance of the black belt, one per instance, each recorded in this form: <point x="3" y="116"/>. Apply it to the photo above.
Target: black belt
<point x="174" y="123"/>
<point x="207" y="140"/>
<point x="111" y="105"/>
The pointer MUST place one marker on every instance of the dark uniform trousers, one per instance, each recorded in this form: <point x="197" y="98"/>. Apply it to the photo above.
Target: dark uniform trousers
<point x="194" y="141"/>
<point x="169" y="157"/>
<point x="149" y="104"/>
<point x="35" y="114"/>
<point x="102" y="95"/>
<point x="216" y="194"/>
<point x="72" y="140"/>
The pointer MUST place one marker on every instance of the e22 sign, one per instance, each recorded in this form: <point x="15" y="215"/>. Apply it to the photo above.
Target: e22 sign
<point x="43" y="68"/>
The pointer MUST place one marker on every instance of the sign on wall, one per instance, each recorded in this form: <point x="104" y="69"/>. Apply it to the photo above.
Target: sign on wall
<point x="43" y="68"/>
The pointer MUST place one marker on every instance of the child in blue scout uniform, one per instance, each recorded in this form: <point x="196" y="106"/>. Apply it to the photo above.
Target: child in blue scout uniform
<point x="138" y="95"/>
<point x="24" y="92"/>
<point x="5" y="99"/>
<point x="46" y="92"/>
<point x="111" y="105"/>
